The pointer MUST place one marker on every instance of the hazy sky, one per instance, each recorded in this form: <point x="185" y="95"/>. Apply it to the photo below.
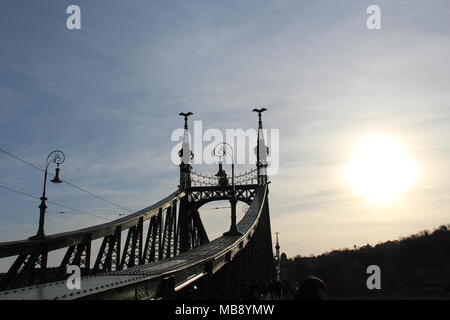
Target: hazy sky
<point x="108" y="95"/>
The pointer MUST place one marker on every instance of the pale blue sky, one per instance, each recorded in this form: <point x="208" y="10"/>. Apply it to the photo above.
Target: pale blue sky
<point x="108" y="96"/>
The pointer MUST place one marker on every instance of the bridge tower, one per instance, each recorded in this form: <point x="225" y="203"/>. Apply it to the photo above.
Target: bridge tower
<point x="186" y="155"/>
<point x="191" y="231"/>
<point x="220" y="268"/>
<point x="255" y="263"/>
<point x="277" y="258"/>
<point x="262" y="151"/>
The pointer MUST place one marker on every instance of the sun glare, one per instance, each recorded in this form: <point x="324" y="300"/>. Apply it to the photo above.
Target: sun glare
<point x="380" y="169"/>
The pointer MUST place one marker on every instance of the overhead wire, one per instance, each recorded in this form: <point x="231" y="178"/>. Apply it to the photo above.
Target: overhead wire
<point x="53" y="202"/>
<point x="65" y="181"/>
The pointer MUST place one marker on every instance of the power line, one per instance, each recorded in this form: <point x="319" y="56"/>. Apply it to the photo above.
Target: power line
<point x="19" y="192"/>
<point x="77" y="210"/>
<point x="215" y="208"/>
<point x="69" y="212"/>
<point x="53" y="202"/>
<point x="65" y="181"/>
<point x="96" y="196"/>
<point x="17" y="158"/>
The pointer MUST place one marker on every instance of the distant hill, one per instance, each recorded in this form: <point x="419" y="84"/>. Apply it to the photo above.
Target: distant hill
<point x="416" y="266"/>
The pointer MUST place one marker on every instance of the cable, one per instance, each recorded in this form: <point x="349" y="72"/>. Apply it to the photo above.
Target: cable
<point x="17" y="158"/>
<point x="19" y="192"/>
<point x="65" y="181"/>
<point x="202" y="210"/>
<point x="80" y="211"/>
<point x="215" y="208"/>
<point x="96" y="196"/>
<point x="55" y="203"/>
<point x="68" y="212"/>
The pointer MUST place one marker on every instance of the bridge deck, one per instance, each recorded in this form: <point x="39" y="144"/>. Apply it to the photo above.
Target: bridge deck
<point x="214" y="251"/>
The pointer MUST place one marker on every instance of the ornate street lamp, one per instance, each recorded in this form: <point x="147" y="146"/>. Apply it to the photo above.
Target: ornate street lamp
<point x="221" y="150"/>
<point x="57" y="157"/>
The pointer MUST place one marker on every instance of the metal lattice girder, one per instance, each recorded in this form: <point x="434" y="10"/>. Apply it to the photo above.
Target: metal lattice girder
<point x="153" y="240"/>
<point x="79" y="255"/>
<point x="175" y="229"/>
<point x="191" y="232"/>
<point x="170" y="228"/>
<point x="148" y="238"/>
<point x="132" y="252"/>
<point x="203" y="195"/>
<point x="165" y="238"/>
<point x="31" y="262"/>
<point x="187" y="269"/>
<point x="202" y="236"/>
<point x="23" y="270"/>
<point x="66" y="239"/>
<point x="108" y="257"/>
<point x="149" y="242"/>
<point x="167" y="235"/>
<point x="159" y="235"/>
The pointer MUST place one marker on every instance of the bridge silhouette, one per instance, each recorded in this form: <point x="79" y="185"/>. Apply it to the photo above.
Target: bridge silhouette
<point x="162" y="251"/>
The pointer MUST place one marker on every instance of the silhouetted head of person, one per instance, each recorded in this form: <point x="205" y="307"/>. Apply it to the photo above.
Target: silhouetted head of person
<point x="312" y="288"/>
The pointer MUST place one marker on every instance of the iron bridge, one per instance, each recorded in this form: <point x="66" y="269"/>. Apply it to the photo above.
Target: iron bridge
<point x="160" y="252"/>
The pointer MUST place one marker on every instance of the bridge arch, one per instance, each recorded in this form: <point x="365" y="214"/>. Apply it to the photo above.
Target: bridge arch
<point x="203" y="195"/>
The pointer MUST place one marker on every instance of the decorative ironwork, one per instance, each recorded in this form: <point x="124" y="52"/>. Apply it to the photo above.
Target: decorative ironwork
<point x="57" y="157"/>
<point x="30" y="267"/>
<point x="245" y="178"/>
<point x="145" y="264"/>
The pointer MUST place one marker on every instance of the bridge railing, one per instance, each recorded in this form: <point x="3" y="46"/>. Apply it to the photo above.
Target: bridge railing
<point x="200" y="262"/>
<point x="164" y="278"/>
<point x="30" y="266"/>
<point x="245" y="178"/>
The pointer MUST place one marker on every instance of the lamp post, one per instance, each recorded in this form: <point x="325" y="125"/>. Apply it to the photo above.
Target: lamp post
<point x="221" y="150"/>
<point x="57" y="157"/>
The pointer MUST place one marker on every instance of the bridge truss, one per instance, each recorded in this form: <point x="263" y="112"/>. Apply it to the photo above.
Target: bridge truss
<point x="159" y="252"/>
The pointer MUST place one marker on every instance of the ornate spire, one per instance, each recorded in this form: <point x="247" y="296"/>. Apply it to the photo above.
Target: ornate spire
<point x="186" y="155"/>
<point x="185" y="115"/>
<point x="277" y="257"/>
<point x="259" y="116"/>
<point x="261" y="151"/>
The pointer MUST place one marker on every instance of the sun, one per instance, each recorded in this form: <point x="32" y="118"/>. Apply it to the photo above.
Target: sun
<point x="380" y="168"/>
